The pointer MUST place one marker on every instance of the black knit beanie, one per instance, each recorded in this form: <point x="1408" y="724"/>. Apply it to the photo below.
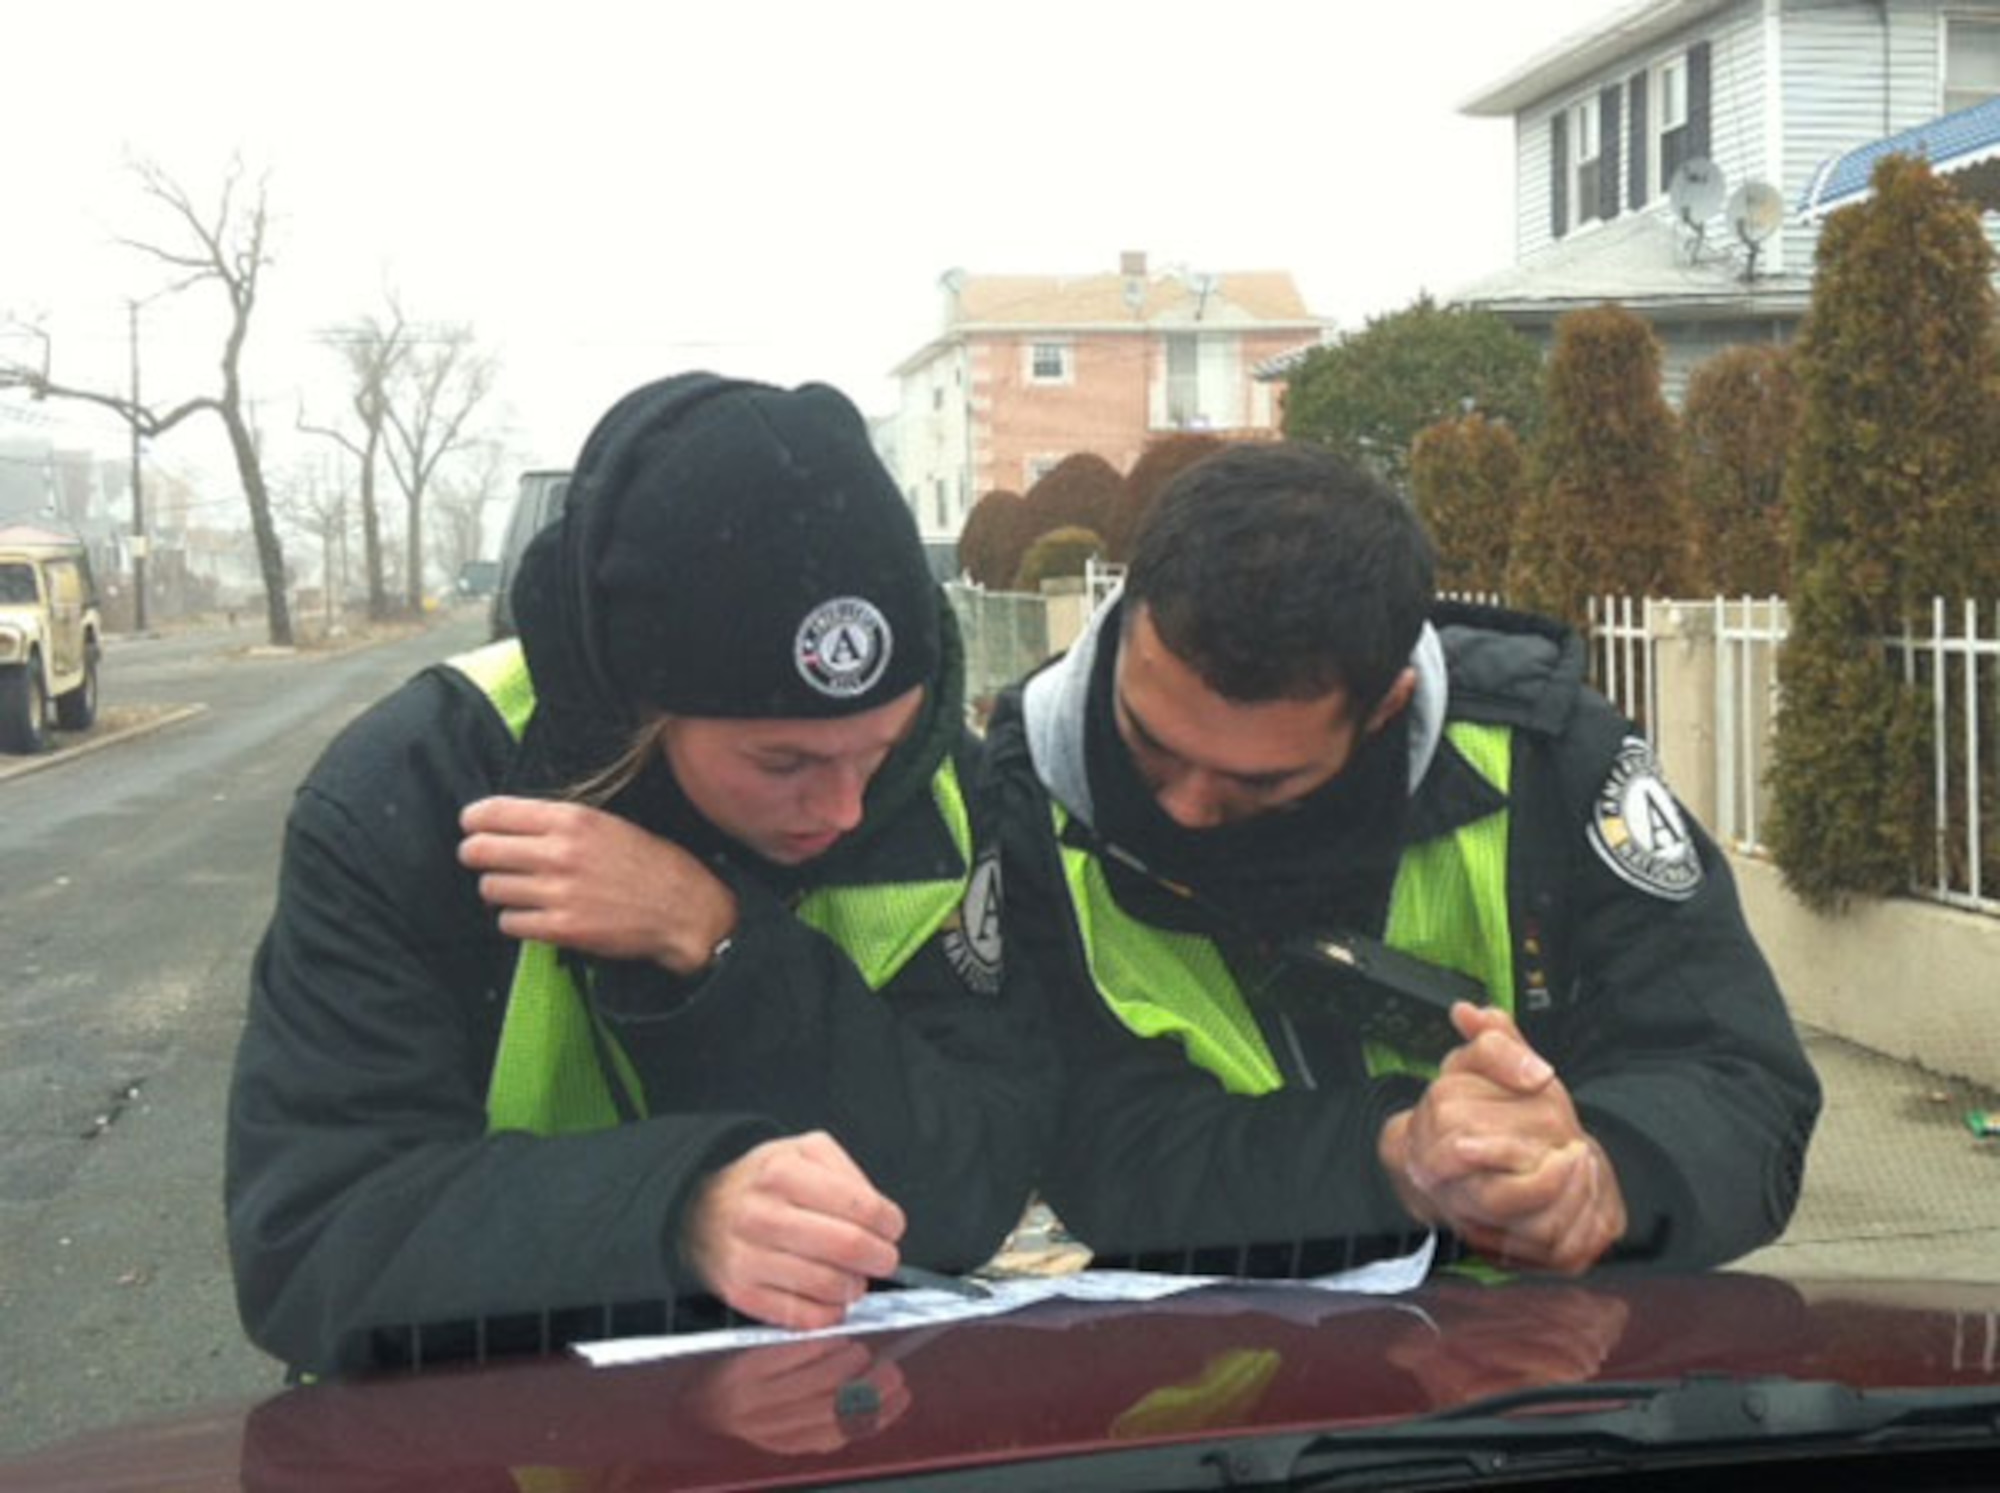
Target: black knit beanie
<point x="738" y="550"/>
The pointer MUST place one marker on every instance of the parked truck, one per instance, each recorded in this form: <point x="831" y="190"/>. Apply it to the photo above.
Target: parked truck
<point x="51" y="639"/>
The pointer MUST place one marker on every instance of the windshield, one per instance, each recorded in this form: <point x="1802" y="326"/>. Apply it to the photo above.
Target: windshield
<point x="1312" y="695"/>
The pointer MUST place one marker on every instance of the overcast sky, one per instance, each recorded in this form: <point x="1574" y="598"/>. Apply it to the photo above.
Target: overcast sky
<point x="609" y="192"/>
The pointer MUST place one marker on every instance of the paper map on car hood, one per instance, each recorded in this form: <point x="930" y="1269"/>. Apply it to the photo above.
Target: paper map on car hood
<point x="880" y="1311"/>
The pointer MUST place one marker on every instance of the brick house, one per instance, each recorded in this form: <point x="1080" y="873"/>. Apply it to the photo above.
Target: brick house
<point x="1028" y="369"/>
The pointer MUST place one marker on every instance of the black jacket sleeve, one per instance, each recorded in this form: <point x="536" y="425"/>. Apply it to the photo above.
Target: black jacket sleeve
<point x="942" y="1085"/>
<point x="1675" y="1043"/>
<point x="364" y="1197"/>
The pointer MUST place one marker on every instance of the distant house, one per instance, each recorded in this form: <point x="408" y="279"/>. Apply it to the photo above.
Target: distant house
<point x="28" y="480"/>
<point x="1784" y="98"/>
<point x="1028" y="369"/>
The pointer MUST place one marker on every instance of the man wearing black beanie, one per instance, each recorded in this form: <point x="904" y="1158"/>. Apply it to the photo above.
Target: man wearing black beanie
<point x="653" y="958"/>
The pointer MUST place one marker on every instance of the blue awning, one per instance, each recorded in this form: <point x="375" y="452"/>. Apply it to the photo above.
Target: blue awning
<point x="1951" y="142"/>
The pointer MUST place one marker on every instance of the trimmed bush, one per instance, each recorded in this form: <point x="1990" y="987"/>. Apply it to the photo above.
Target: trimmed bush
<point x="1891" y="498"/>
<point x="1057" y="553"/>
<point x="1742" y="410"/>
<point x="1162" y="461"/>
<point x="1605" y="510"/>
<point x="1369" y="394"/>
<point x="1466" y="479"/>
<point x="1080" y="491"/>
<point x="995" y="534"/>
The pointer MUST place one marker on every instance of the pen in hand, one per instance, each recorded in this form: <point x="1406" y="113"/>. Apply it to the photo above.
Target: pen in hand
<point x="917" y="1278"/>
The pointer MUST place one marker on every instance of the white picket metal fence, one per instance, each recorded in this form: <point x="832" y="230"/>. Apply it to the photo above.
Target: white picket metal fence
<point x="1100" y="579"/>
<point x="1623" y="657"/>
<point x="1748" y="632"/>
<point x="1956" y="665"/>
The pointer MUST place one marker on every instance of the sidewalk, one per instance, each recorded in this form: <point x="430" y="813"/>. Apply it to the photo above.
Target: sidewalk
<point x="1896" y="1184"/>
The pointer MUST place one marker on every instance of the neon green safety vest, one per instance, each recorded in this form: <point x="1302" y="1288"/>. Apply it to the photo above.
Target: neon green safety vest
<point x="1448" y="906"/>
<point x="547" y="1075"/>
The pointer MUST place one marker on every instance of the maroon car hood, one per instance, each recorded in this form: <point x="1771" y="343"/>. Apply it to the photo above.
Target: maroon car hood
<point x="1052" y="1380"/>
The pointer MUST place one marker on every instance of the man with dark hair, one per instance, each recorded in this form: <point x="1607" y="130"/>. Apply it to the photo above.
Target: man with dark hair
<point x="1363" y="917"/>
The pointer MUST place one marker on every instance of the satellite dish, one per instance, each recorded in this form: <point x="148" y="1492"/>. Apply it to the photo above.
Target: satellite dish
<point x="1695" y="193"/>
<point x="1755" y="210"/>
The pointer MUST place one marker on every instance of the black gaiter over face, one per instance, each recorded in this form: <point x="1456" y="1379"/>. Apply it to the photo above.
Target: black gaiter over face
<point x="1327" y="860"/>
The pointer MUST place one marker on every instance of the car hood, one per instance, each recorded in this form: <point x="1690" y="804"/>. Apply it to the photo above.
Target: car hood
<point x="1054" y="1380"/>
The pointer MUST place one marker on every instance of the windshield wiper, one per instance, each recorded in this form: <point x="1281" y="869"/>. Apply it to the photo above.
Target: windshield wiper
<point x="1548" y="1430"/>
<point x="1576" y="1425"/>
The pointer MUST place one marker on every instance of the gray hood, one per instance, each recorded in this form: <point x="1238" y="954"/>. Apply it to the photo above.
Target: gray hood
<point x="1053" y="703"/>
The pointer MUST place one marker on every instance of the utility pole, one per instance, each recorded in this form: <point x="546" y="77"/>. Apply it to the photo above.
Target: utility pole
<point x="138" y="498"/>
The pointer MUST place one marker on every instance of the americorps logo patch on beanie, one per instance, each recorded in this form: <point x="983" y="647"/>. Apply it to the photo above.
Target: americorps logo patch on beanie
<point x="843" y="646"/>
<point x="746" y="554"/>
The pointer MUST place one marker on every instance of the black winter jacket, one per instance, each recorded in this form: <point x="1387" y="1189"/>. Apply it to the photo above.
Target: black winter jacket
<point x="371" y="1216"/>
<point x="1660" y="1015"/>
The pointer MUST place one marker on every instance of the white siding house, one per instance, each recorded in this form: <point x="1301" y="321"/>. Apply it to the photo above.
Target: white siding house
<point x="1768" y="91"/>
<point x="933" y="450"/>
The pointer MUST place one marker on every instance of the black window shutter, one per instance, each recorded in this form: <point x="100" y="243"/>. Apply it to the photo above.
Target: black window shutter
<point x="1607" y="152"/>
<point x="1635" y="171"/>
<point x="1697" y="125"/>
<point x="1558" y="174"/>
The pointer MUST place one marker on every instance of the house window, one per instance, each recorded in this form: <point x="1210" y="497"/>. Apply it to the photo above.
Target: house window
<point x="1203" y="385"/>
<point x="937" y="398"/>
<point x="943" y="522"/>
<point x="1037" y="468"/>
<point x="1049" y="363"/>
<point x="1971" y="62"/>
<point x="1586" y="148"/>
<point x="1670" y="120"/>
<point x="1183" y="380"/>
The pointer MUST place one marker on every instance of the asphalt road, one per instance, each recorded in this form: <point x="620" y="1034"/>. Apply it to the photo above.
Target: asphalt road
<point x="135" y="879"/>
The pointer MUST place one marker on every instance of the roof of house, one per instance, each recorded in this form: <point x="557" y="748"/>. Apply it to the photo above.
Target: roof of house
<point x="1235" y="298"/>
<point x="33" y="537"/>
<point x="1583" y="54"/>
<point x="1642" y="260"/>
<point x="1952" y="143"/>
<point x="1279" y="368"/>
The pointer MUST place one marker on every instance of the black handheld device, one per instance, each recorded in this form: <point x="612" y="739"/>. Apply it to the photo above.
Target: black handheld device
<point x="1385" y="994"/>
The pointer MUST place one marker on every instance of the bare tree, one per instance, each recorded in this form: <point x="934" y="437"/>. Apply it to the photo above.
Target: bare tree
<point x="373" y="349"/>
<point x="439" y="384"/>
<point x="309" y="505"/>
<point x="224" y="245"/>
<point x="463" y="493"/>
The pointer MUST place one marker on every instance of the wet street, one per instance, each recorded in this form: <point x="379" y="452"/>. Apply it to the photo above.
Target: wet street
<point x="134" y="882"/>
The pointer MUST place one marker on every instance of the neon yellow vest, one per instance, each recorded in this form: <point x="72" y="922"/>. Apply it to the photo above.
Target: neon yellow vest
<point x="1448" y="906"/>
<point x="547" y="1077"/>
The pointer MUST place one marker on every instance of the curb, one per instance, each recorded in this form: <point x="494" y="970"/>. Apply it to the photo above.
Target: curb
<point x="25" y="765"/>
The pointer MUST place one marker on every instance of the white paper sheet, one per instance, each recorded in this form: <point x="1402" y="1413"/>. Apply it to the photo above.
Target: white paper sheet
<point x="880" y="1311"/>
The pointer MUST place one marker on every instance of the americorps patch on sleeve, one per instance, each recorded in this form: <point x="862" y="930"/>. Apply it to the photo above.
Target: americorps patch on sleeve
<point x="972" y="935"/>
<point x="1638" y="830"/>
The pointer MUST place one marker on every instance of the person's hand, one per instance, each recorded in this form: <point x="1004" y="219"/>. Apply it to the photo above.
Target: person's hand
<point x="583" y="879"/>
<point x="792" y="1232"/>
<point x="785" y="1397"/>
<point x="1495" y="1152"/>
<point x="1485" y="1342"/>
